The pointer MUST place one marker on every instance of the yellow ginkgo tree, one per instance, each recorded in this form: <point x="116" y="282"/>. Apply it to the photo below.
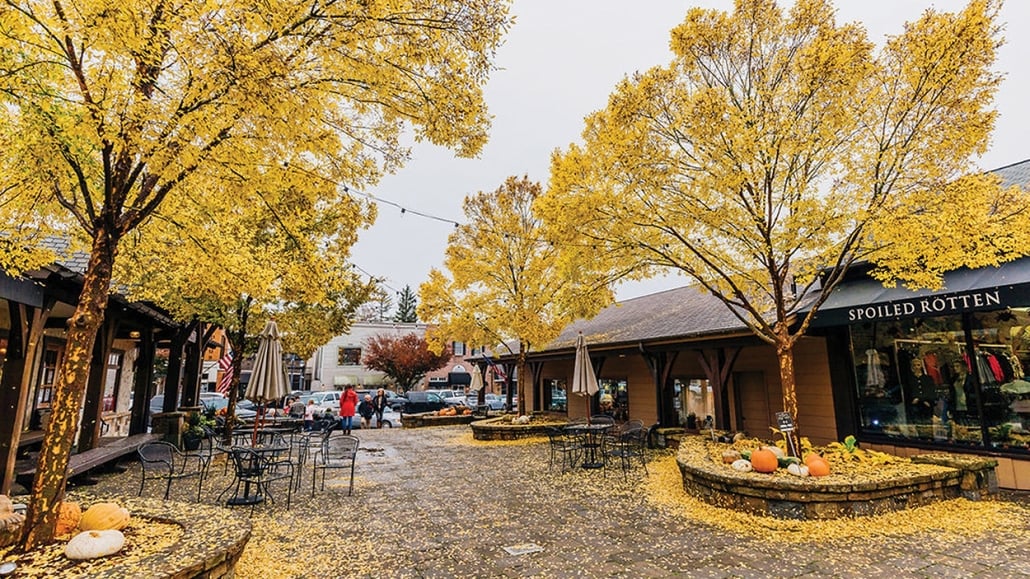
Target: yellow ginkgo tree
<point x="506" y="288"/>
<point x="779" y="148"/>
<point x="109" y="110"/>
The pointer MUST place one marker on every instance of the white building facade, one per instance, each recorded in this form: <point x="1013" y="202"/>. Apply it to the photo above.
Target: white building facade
<point x="338" y="363"/>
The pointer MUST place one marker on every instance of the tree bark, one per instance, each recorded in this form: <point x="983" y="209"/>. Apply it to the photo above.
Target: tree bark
<point x="785" y="356"/>
<point x="49" y="484"/>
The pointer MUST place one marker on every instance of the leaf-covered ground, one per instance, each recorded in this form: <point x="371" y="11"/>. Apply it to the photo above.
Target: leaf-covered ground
<point x="433" y="502"/>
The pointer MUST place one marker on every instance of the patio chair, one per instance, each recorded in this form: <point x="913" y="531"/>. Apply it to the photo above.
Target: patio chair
<point x="337" y="453"/>
<point x="160" y="460"/>
<point x="563" y="447"/>
<point x="255" y="469"/>
<point x="628" y="445"/>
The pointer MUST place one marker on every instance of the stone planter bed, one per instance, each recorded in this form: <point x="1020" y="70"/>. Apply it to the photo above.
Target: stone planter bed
<point x="431" y="419"/>
<point x="211" y="543"/>
<point x="928" y="479"/>
<point x="501" y="428"/>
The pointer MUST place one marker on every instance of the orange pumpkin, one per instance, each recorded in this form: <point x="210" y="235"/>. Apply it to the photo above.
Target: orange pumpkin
<point x="68" y="517"/>
<point x="812" y="456"/>
<point x="818" y="467"/>
<point x="764" y="460"/>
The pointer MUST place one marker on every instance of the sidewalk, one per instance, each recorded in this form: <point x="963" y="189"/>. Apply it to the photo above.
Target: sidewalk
<point x="428" y="503"/>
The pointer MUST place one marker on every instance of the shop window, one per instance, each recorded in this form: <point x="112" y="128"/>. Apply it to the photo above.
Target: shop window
<point x="614" y="397"/>
<point x="348" y="357"/>
<point x="694" y="401"/>
<point x="953" y="380"/>
<point x="556" y="395"/>
<point x="111" y="380"/>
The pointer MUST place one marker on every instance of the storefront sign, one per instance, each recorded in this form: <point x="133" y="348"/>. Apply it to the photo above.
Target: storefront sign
<point x="926" y="306"/>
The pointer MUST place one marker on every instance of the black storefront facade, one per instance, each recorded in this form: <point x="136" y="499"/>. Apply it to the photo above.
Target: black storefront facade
<point x="946" y="370"/>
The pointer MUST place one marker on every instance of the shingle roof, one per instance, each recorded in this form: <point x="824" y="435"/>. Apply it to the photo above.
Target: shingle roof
<point x="676" y="313"/>
<point x="1015" y="174"/>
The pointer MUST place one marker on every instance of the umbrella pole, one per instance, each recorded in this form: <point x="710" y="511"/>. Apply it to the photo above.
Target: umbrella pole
<point x="587" y="398"/>
<point x="257" y="417"/>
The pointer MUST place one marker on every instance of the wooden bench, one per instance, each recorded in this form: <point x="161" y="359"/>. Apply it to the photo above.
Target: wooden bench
<point x="82" y="462"/>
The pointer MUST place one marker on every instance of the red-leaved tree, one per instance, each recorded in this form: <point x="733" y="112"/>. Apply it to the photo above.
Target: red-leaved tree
<point x="405" y="359"/>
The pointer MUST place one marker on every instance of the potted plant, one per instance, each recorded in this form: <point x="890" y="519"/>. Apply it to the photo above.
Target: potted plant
<point x="195" y="431"/>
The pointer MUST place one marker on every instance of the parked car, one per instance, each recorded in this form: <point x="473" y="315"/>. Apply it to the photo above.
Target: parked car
<point x="329" y="399"/>
<point x="390" y="420"/>
<point x="245" y="409"/>
<point x="494" y="401"/>
<point x="422" y="401"/>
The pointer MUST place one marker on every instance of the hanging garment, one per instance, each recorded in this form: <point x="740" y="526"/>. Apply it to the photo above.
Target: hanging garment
<point x="999" y="374"/>
<point x="874" y="373"/>
<point x="983" y="369"/>
<point x="930" y="364"/>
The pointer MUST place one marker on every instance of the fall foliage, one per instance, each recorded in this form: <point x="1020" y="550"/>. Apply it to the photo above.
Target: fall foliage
<point x="779" y="147"/>
<point x="405" y="359"/>
<point x="507" y="285"/>
<point x="118" y="115"/>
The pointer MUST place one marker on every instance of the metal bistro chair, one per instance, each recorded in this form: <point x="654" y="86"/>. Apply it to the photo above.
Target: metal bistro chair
<point x="628" y="445"/>
<point x="254" y="469"/>
<point x="161" y="460"/>
<point x="564" y="447"/>
<point x="339" y="453"/>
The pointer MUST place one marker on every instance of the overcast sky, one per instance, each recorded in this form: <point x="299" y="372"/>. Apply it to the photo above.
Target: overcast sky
<point x="561" y="60"/>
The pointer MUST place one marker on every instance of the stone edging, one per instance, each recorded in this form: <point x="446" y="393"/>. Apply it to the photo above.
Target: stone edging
<point x="799" y="498"/>
<point x="501" y="428"/>
<point x="431" y="419"/>
<point x="212" y="542"/>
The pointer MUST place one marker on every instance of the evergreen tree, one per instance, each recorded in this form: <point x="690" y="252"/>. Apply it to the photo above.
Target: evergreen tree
<point x="406" y="307"/>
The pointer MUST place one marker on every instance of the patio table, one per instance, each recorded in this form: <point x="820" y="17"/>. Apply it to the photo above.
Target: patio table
<point x="592" y="435"/>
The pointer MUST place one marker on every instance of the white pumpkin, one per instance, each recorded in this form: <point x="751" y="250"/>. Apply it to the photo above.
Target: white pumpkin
<point x="742" y="465"/>
<point x="776" y="450"/>
<point x="93" y="544"/>
<point x="797" y="469"/>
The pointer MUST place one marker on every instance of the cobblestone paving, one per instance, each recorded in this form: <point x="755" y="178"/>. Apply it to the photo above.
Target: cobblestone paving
<point x="430" y="504"/>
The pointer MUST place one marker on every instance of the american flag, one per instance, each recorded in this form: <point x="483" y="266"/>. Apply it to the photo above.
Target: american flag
<point x="498" y="372"/>
<point x="225" y="366"/>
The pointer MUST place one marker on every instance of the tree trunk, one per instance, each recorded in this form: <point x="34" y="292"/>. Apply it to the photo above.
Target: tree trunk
<point x="785" y="356"/>
<point x="49" y="484"/>
<point x="520" y="372"/>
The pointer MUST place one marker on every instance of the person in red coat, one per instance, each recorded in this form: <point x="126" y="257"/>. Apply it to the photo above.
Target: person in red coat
<point x="348" y="403"/>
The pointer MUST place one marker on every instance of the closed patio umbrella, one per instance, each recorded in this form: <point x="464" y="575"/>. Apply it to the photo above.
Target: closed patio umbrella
<point x="584" y="382"/>
<point x="268" y="378"/>
<point x="477" y="383"/>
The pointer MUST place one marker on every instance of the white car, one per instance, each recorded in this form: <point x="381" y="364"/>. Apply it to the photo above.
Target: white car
<point x="329" y="399"/>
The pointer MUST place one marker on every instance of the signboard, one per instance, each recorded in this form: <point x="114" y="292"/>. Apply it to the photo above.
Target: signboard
<point x="784" y="421"/>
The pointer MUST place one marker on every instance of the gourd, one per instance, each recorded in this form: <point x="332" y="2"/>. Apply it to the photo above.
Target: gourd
<point x="730" y="456"/>
<point x="742" y="465"/>
<point x="68" y="517"/>
<point x="797" y="469"/>
<point x="93" y="544"/>
<point x="775" y="450"/>
<point x="104" y="516"/>
<point x="8" y="518"/>
<point x="763" y="460"/>
<point x="818" y="467"/>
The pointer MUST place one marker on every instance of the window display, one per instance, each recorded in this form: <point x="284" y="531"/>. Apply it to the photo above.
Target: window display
<point x="954" y="380"/>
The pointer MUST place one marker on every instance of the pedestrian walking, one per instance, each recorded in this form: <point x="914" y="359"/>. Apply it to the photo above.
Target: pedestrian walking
<point x="348" y="404"/>
<point x="379" y="404"/>
<point x="366" y="411"/>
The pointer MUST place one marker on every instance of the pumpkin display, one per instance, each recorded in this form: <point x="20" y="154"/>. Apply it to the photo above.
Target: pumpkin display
<point x="68" y="517"/>
<point x="812" y="456"/>
<point x="764" y="460"/>
<point x="798" y="469"/>
<point x="93" y="544"/>
<point x="104" y="516"/>
<point x="818" y="467"/>
<point x="742" y="465"/>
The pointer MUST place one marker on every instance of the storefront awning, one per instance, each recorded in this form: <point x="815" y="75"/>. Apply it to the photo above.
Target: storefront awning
<point x="965" y="290"/>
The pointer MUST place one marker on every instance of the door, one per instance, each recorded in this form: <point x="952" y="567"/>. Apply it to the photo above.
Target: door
<point x="753" y="412"/>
